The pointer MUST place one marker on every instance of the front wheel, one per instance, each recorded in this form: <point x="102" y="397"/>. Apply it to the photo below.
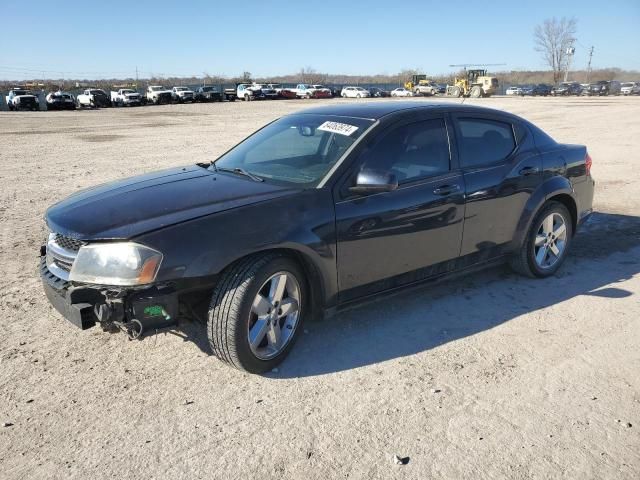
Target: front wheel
<point x="546" y="244"/>
<point x="256" y="312"/>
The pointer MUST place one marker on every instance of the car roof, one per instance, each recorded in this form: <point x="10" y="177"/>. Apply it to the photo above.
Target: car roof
<point x="377" y="110"/>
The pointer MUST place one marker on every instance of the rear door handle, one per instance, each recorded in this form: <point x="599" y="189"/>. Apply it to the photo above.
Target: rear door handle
<point x="526" y="171"/>
<point x="446" y="189"/>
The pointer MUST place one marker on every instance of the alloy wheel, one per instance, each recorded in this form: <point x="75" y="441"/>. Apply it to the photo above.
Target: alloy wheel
<point x="550" y="241"/>
<point x="274" y="315"/>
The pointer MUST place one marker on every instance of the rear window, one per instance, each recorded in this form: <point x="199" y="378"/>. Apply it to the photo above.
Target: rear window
<point x="484" y="141"/>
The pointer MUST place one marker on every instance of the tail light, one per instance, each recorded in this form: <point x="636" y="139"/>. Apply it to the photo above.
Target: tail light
<point x="587" y="163"/>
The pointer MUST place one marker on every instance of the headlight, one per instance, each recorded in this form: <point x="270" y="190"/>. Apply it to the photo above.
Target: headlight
<point x="123" y="263"/>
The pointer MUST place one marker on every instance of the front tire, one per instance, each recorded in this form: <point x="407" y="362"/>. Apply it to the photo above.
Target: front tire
<point x="257" y="311"/>
<point x="547" y="242"/>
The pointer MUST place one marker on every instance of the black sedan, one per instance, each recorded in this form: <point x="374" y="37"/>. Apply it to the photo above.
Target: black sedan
<point x="542" y="89"/>
<point x="376" y="92"/>
<point x="60" y="101"/>
<point x="566" y="89"/>
<point x="315" y="211"/>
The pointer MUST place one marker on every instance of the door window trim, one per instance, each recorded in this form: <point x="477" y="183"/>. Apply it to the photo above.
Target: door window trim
<point x="456" y="117"/>
<point x="454" y="167"/>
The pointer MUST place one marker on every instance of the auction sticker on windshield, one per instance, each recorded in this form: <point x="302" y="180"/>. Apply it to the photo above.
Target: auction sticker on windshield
<point x="337" y="127"/>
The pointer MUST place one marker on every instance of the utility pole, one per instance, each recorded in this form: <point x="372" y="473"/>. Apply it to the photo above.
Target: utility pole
<point x="136" y="76"/>
<point x="589" y="65"/>
<point x="570" y="51"/>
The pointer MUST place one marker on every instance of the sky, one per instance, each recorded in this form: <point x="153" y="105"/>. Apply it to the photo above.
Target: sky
<point x="96" y="40"/>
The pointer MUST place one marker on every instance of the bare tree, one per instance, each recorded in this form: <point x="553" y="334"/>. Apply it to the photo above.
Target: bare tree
<point x="311" y="75"/>
<point x="552" y="38"/>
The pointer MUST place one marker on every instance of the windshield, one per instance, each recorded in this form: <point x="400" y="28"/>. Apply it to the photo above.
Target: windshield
<point x="181" y="89"/>
<point x="208" y="89"/>
<point x="295" y="150"/>
<point x="97" y="92"/>
<point x="627" y="85"/>
<point x="156" y="89"/>
<point x="21" y="92"/>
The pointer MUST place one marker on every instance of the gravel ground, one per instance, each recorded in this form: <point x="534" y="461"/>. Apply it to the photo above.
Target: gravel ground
<point x="487" y="376"/>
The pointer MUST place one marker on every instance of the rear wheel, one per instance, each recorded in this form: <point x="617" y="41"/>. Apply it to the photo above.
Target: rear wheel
<point x="256" y="312"/>
<point x="476" y="91"/>
<point x="547" y="242"/>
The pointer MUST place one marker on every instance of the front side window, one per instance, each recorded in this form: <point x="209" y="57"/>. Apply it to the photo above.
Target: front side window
<point x="297" y="149"/>
<point x="484" y="141"/>
<point x="411" y="152"/>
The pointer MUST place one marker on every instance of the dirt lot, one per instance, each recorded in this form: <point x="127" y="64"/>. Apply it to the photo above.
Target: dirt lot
<point x="489" y="376"/>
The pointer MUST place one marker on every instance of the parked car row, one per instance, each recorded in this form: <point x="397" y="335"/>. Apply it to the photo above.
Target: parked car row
<point x="600" y="88"/>
<point x="23" y="99"/>
<point x="542" y="89"/>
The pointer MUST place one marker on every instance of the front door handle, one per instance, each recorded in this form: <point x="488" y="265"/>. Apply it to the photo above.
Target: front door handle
<point x="526" y="171"/>
<point x="446" y="189"/>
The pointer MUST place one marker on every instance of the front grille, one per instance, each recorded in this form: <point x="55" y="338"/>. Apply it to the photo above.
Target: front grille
<point x="61" y="253"/>
<point x="68" y="243"/>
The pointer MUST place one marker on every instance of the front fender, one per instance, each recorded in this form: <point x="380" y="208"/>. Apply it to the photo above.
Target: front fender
<point x="551" y="187"/>
<point x="303" y="222"/>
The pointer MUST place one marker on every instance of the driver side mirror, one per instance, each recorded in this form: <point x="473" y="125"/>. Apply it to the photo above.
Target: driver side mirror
<point x="373" y="181"/>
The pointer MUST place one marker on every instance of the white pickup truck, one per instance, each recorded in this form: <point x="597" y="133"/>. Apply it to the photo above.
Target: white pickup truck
<point x="183" y="94"/>
<point x="93" y="98"/>
<point x="248" y="91"/>
<point x="158" y="94"/>
<point x="304" y="90"/>
<point x="126" y="97"/>
<point x="22" y="99"/>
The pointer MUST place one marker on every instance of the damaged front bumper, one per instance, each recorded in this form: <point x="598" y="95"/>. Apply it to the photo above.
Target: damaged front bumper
<point x="134" y="310"/>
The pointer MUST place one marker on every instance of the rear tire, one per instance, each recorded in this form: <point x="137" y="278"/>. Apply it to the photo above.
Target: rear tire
<point x="527" y="260"/>
<point x="476" y="92"/>
<point x="235" y="306"/>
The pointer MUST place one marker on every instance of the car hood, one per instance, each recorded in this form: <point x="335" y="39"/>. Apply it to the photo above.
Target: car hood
<point x="133" y="206"/>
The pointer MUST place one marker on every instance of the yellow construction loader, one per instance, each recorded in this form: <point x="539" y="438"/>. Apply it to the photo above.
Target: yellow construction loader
<point x="476" y="84"/>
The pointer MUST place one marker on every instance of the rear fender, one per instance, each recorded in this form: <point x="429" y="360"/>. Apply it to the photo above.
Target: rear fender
<point x="553" y="186"/>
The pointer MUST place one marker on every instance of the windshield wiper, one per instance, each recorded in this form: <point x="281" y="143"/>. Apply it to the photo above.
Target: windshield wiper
<point x="239" y="171"/>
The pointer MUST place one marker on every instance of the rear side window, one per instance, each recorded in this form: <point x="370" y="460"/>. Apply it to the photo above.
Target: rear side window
<point x="484" y="141"/>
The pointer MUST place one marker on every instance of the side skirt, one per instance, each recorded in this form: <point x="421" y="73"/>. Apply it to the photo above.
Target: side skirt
<point x="465" y="266"/>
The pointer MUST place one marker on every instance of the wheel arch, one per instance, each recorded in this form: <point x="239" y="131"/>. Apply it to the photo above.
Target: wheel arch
<point x="555" y="189"/>
<point x="315" y="278"/>
<point x="569" y="202"/>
